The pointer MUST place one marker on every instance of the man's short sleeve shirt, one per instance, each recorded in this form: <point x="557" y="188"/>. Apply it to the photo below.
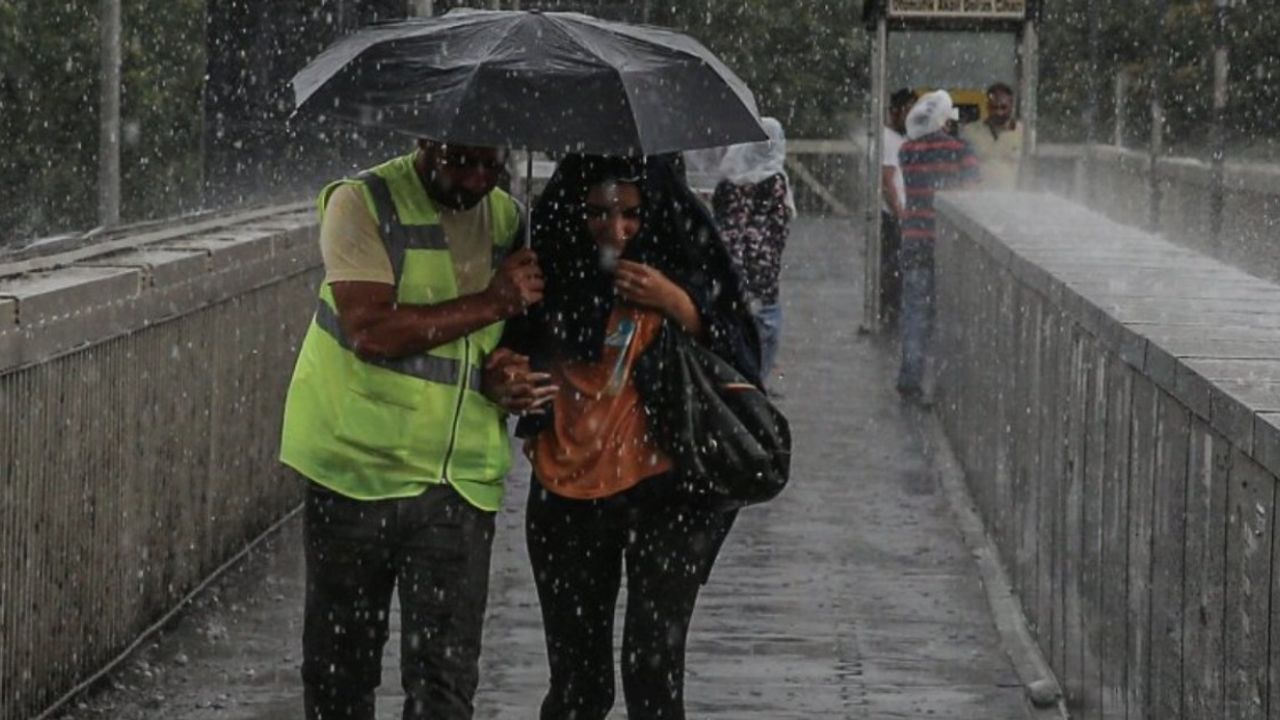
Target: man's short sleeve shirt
<point x="353" y="251"/>
<point x="892" y="144"/>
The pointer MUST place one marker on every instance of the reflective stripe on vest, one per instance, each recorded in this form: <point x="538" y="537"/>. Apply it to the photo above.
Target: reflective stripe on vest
<point x="399" y="238"/>
<point x="422" y="366"/>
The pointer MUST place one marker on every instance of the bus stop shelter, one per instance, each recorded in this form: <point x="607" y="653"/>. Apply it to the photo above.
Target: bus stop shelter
<point x="958" y="45"/>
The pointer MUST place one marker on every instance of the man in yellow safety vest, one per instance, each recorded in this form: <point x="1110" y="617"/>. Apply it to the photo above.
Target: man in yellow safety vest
<point x="395" y="418"/>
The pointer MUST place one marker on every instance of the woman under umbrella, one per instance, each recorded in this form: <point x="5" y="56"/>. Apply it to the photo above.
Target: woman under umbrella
<point x="625" y="247"/>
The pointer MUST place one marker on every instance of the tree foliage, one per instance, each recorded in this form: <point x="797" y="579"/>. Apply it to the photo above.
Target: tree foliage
<point x="1127" y="45"/>
<point x="203" y="83"/>
<point x="48" y="114"/>
<point x="49" y="99"/>
<point x="804" y="59"/>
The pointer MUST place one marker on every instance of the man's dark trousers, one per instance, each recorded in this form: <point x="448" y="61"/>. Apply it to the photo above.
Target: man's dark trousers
<point x="890" y="269"/>
<point x="436" y="548"/>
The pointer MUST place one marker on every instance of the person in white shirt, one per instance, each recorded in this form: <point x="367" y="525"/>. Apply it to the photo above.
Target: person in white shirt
<point x="893" y="194"/>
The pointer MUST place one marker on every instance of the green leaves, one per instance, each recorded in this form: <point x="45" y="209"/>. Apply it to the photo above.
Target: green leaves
<point x="1127" y="45"/>
<point x="48" y="111"/>
<point x="49" y="95"/>
<point x="804" y="59"/>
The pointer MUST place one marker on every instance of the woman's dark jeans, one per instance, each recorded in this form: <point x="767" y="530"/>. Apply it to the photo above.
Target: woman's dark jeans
<point x="579" y="549"/>
<point x="436" y="548"/>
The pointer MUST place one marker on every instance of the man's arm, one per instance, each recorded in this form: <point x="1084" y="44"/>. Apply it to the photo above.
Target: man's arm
<point x="378" y="326"/>
<point x="889" y="189"/>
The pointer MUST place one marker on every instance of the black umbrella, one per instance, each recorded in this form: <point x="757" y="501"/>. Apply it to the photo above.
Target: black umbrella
<point x="539" y="81"/>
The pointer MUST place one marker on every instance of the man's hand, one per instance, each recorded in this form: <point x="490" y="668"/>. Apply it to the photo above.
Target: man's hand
<point x="517" y="284"/>
<point x="511" y="384"/>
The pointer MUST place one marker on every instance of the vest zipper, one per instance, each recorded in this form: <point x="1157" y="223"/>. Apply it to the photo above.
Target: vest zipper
<point x="457" y="410"/>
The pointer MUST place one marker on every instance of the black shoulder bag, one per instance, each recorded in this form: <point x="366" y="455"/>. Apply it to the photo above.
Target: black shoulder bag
<point x="731" y="446"/>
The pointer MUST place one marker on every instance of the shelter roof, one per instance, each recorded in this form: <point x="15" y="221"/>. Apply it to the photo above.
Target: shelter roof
<point x="974" y="15"/>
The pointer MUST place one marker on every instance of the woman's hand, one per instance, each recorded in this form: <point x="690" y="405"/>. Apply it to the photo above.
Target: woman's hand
<point x="646" y="286"/>
<point x="643" y="285"/>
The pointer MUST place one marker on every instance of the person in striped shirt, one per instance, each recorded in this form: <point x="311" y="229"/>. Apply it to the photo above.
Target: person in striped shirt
<point x="932" y="159"/>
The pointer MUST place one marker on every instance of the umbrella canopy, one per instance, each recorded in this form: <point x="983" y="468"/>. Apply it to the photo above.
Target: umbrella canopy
<point x="556" y="82"/>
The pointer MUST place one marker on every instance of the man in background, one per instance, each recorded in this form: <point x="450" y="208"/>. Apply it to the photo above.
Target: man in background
<point x="932" y="160"/>
<point x="893" y="199"/>
<point x="997" y="141"/>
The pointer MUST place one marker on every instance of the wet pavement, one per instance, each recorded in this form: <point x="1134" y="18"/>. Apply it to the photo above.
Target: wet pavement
<point x="852" y="595"/>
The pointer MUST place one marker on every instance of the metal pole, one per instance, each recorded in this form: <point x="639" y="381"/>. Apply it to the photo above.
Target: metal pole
<point x="1221" y="66"/>
<point x="871" y="310"/>
<point x="109" y="122"/>
<point x="1092" y="90"/>
<point x="528" y="199"/>
<point x="1158" y="78"/>
<point x="1030" y="87"/>
<point x="1121" y="100"/>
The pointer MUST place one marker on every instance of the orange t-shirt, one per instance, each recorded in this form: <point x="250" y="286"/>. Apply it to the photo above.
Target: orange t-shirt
<point x="599" y="442"/>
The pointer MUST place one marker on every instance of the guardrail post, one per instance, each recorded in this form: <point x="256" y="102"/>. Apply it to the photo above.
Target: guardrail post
<point x="871" y="310"/>
<point x="1157" y="113"/>
<point x="1029" y="81"/>
<point x="1121" y="101"/>
<point x="1093" y="81"/>
<point x="1221" y="65"/>
<point x="109" y="123"/>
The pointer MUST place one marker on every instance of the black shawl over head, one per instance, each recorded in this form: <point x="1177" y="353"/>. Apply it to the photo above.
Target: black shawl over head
<point x="677" y="236"/>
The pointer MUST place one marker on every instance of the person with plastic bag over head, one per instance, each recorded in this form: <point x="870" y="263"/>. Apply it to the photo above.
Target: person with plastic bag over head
<point x="931" y="160"/>
<point x="754" y="206"/>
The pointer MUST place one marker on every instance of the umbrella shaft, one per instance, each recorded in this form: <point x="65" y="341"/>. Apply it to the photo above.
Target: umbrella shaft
<point x="528" y="199"/>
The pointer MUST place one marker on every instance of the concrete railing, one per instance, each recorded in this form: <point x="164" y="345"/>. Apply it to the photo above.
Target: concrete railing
<point x="1118" y="185"/>
<point x="141" y="382"/>
<point x="1112" y="398"/>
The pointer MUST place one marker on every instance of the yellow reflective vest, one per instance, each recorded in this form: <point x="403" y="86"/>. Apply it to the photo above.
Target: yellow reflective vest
<point x="387" y="428"/>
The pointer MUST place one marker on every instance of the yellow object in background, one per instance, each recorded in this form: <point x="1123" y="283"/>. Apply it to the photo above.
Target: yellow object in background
<point x="971" y="102"/>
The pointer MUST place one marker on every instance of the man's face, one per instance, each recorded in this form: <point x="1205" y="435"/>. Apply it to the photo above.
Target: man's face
<point x="460" y="176"/>
<point x="999" y="109"/>
<point x="898" y="118"/>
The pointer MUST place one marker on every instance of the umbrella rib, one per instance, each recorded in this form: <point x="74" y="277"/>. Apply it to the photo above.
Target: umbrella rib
<point x="631" y="115"/>
<point x="567" y="30"/>
<point x="572" y="37"/>
<point x="357" y="44"/>
<point x="475" y="71"/>
<point x="628" y="32"/>
<point x="709" y="60"/>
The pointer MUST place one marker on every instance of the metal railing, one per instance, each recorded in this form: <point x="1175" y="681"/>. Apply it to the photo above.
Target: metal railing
<point x="141" y="381"/>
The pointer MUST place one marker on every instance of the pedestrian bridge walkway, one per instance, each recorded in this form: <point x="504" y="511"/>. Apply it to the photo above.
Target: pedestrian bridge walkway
<point x="853" y="595"/>
<point x="1110" y="399"/>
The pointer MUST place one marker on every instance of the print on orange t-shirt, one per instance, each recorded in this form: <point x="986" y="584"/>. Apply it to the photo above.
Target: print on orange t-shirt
<point x="599" y="444"/>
